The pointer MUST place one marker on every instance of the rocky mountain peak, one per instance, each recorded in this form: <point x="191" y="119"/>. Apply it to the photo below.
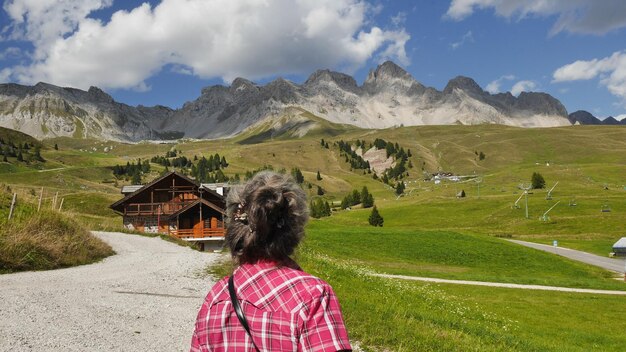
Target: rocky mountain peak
<point x="610" y="121"/>
<point x="463" y="83"/>
<point x="99" y="95"/>
<point x="583" y="117"/>
<point x="241" y="83"/>
<point x="387" y="75"/>
<point x="540" y="103"/>
<point x="342" y="80"/>
<point x="282" y="90"/>
<point x="389" y="69"/>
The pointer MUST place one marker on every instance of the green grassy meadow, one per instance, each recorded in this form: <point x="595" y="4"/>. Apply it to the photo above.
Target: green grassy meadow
<point x="426" y="232"/>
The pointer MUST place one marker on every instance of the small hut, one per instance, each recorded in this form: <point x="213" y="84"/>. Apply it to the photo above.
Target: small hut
<point x="619" y="248"/>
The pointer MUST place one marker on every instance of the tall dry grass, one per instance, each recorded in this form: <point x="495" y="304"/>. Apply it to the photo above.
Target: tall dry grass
<point x="48" y="240"/>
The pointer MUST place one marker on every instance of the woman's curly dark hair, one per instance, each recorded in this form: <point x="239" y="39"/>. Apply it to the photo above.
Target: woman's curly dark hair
<point x="266" y="218"/>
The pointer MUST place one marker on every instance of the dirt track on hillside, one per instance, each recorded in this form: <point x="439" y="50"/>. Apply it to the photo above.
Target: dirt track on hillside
<point x="145" y="298"/>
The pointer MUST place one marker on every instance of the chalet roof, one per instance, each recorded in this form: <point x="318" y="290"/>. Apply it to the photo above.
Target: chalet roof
<point x="194" y="203"/>
<point x="131" y="189"/>
<point x="222" y="187"/>
<point x="621" y="243"/>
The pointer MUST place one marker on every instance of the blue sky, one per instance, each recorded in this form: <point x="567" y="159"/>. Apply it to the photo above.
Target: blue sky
<point x="165" y="51"/>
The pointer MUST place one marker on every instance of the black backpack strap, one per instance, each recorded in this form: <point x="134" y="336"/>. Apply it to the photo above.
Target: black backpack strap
<point x="238" y="310"/>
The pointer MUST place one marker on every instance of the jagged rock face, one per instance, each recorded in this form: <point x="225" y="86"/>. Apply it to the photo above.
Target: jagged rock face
<point x="45" y="111"/>
<point x="390" y="96"/>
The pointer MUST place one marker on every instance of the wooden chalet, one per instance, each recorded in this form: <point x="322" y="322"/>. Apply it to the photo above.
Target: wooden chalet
<point x="176" y="205"/>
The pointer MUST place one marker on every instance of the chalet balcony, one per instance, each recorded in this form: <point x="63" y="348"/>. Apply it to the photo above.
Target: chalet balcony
<point x="197" y="233"/>
<point x="147" y="209"/>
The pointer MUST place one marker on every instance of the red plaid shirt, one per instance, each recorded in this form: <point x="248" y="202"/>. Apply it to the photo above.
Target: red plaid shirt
<point x="286" y="309"/>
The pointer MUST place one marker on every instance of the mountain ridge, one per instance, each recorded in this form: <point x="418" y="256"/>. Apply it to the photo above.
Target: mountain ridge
<point x="582" y="117"/>
<point x="388" y="97"/>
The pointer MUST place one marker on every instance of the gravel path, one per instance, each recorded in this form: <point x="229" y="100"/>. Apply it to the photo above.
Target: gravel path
<point x="502" y="284"/>
<point x="145" y="298"/>
<point x="613" y="264"/>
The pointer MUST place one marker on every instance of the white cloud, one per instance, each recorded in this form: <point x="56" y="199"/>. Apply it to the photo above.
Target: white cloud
<point x="611" y="70"/>
<point x="220" y="38"/>
<point x="494" y="86"/>
<point x="620" y="117"/>
<point x="575" y="16"/>
<point x="523" y="86"/>
<point x="399" y="19"/>
<point x="466" y="38"/>
<point x="10" y="53"/>
<point x="43" y="21"/>
<point x="5" y="73"/>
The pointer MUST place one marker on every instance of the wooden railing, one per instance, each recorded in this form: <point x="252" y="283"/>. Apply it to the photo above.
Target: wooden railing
<point x="198" y="233"/>
<point x="154" y="208"/>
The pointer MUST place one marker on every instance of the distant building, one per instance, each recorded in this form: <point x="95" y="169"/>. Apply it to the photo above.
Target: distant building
<point x="174" y="204"/>
<point x="619" y="248"/>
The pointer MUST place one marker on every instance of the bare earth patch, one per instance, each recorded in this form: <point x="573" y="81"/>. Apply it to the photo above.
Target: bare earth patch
<point x="145" y="298"/>
<point x="379" y="162"/>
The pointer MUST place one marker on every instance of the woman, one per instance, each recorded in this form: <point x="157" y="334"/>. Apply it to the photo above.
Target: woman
<point x="282" y="307"/>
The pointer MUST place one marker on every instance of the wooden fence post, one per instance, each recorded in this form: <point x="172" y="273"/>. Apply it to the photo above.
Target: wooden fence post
<point x="61" y="205"/>
<point x="12" y="205"/>
<point x="54" y="201"/>
<point x="40" y="199"/>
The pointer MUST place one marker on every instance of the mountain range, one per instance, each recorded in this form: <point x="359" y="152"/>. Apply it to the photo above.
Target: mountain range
<point x="388" y="97"/>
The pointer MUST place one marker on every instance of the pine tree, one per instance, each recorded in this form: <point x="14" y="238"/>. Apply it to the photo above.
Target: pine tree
<point x="538" y="181"/>
<point x="400" y="188"/>
<point x="136" y="178"/>
<point x="375" y="219"/>
<point x="4" y="158"/>
<point x="56" y="146"/>
<point x="367" y="200"/>
<point x="19" y="156"/>
<point x="297" y="175"/>
<point x="319" y="177"/>
<point x="319" y="208"/>
<point x="346" y="202"/>
<point x="320" y="191"/>
<point x="37" y="154"/>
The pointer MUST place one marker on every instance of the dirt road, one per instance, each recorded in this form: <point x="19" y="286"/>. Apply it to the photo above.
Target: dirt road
<point x="613" y="264"/>
<point x="145" y="298"/>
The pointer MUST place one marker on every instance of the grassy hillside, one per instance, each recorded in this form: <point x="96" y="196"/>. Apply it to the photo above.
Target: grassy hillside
<point x="43" y="240"/>
<point x="8" y="134"/>
<point x="427" y="231"/>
